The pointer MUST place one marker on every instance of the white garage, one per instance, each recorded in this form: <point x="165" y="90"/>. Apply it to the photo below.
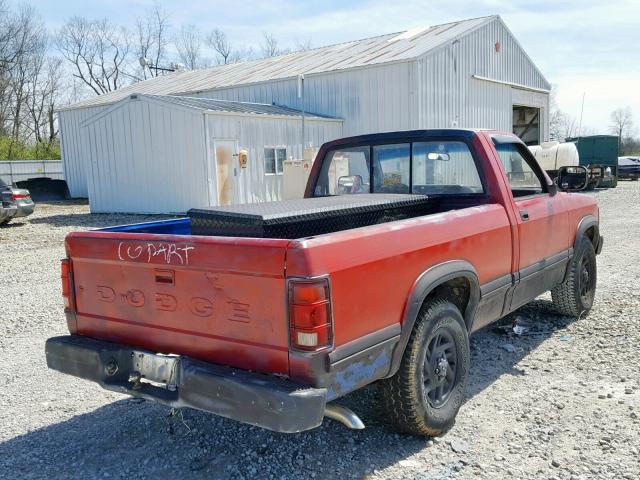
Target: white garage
<point x="161" y="153"/>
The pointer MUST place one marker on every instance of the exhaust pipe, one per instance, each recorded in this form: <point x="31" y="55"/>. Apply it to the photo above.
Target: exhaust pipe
<point x="344" y="416"/>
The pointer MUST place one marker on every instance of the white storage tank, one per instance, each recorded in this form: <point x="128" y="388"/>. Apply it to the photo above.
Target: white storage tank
<point x="553" y="155"/>
<point x="296" y="174"/>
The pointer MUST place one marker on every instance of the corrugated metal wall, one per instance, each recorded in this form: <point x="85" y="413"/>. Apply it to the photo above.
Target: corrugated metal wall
<point x="151" y="157"/>
<point x="436" y="91"/>
<point x="254" y="134"/>
<point x="75" y="148"/>
<point x="374" y="99"/>
<point x="448" y="94"/>
<point x="146" y="158"/>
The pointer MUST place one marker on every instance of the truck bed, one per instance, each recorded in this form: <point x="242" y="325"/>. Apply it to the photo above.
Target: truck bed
<point x="223" y="299"/>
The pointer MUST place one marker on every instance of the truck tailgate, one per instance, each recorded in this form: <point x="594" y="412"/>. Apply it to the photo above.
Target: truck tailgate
<point x="217" y="299"/>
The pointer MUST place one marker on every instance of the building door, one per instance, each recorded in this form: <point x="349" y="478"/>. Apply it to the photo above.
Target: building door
<point x="526" y="124"/>
<point x="226" y="168"/>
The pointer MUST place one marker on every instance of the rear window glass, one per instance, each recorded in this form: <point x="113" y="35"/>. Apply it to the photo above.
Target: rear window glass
<point x="345" y="172"/>
<point x="426" y="168"/>
<point x="444" y="167"/>
<point x="391" y="168"/>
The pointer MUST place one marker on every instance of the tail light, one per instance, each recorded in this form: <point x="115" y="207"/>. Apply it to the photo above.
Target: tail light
<point x="18" y="196"/>
<point x="310" y="322"/>
<point x="67" y="286"/>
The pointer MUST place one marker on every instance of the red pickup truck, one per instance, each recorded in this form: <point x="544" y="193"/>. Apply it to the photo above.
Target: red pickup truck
<point x="268" y="331"/>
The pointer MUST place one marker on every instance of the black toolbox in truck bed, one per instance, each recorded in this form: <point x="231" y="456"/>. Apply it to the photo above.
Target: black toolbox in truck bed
<point x="306" y="217"/>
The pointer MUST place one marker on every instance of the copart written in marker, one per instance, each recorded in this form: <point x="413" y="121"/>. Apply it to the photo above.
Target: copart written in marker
<point x="169" y="252"/>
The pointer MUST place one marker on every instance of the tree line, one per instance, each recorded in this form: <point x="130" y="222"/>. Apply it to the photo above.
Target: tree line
<point x="563" y="125"/>
<point x="30" y="85"/>
<point x="41" y="70"/>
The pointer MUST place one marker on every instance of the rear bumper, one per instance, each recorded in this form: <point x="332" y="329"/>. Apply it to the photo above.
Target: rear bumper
<point x="256" y="399"/>
<point x="25" y="209"/>
<point x="7" y="213"/>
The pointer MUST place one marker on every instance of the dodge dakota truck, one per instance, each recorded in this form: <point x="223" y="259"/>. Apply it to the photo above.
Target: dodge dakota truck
<point x="441" y="233"/>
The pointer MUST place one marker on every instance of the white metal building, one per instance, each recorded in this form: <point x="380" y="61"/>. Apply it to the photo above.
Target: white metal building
<point x="163" y="154"/>
<point x="471" y="73"/>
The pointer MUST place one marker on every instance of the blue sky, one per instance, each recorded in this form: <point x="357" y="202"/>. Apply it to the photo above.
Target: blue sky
<point x="590" y="47"/>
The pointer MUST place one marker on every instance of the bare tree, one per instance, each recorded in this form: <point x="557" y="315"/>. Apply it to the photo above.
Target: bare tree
<point x="29" y="46"/>
<point x="8" y="32"/>
<point x="218" y="40"/>
<point x="98" y="52"/>
<point x="302" y="45"/>
<point x="43" y="98"/>
<point x="226" y="52"/>
<point x="152" y="38"/>
<point x="562" y="126"/>
<point x="270" y="46"/>
<point x="621" y="123"/>
<point x="189" y="45"/>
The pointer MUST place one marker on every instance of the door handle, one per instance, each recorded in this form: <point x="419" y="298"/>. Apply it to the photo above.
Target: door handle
<point x="524" y="215"/>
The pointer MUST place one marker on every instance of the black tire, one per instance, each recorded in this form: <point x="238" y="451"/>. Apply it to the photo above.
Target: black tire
<point x="409" y="398"/>
<point x="5" y="221"/>
<point x="575" y="295"/>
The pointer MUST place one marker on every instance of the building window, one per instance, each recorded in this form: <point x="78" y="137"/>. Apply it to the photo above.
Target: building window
<point x="273" y="160"/>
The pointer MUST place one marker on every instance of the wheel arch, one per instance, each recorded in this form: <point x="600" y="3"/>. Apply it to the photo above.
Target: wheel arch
<point x="588" y="227"/>
<point x="438" y="278"/>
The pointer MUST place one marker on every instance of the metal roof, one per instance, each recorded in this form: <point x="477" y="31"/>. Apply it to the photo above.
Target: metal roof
<point x="394" y="47"/>
<point x="213" y="105"/>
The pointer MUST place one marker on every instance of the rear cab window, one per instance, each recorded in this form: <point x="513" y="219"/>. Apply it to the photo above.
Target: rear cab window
<point x="345" y="171"/>
<point x="437" y="167"/>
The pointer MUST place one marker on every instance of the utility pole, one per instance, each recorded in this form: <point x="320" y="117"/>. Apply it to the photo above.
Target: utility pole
<point x="581" y="113"/>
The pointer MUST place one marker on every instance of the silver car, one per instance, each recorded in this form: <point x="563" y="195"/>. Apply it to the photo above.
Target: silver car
<point x="16" y="203"/>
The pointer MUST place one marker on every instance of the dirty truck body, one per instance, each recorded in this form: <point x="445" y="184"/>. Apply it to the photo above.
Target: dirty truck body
<point x="267" y="331"/>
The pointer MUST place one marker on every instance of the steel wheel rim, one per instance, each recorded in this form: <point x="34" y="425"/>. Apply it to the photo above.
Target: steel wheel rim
<point x="586" y="279"/>
<point x="440" y="368"/>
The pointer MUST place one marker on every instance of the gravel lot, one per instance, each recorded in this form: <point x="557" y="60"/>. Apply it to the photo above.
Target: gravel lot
<point x="562" y="401"/>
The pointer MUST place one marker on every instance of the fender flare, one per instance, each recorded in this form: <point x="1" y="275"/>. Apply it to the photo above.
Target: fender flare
<point x="585" y="224"/>
<point x="422" y="287"/>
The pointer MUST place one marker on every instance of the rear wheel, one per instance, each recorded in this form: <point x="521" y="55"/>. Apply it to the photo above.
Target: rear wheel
<point x="575" y="295"/>
<point x="424" y="396"/>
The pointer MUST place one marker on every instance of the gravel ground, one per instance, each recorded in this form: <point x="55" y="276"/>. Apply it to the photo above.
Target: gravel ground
<point x="562" y="401"/>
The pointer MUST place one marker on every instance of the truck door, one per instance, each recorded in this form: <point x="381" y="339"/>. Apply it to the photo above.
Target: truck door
<point x="542" y="225"/>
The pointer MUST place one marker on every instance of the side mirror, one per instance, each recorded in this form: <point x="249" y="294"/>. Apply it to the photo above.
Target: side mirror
<point x="572" y="179"/>
<point x="443" y="157"/>
<point x="350" y="184"/>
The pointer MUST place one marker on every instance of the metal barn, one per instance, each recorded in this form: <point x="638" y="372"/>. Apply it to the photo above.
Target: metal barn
<point x="164" y="154"/>
<point x="471" y="73"/>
